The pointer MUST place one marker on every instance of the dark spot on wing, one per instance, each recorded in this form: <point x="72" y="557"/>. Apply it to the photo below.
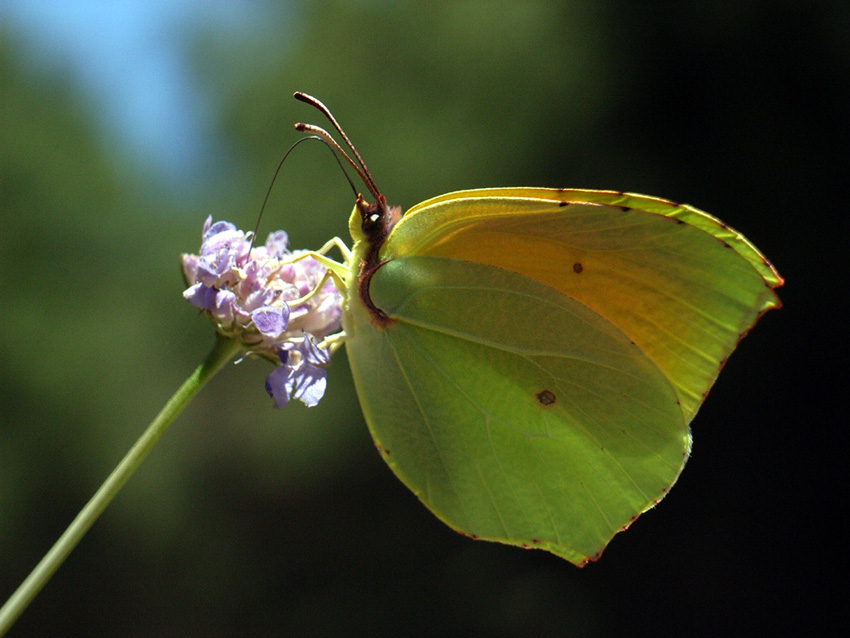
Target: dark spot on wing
<point x="577" y="267"/>
<point x="546" y="397"/>
<point x="562" y="204"/>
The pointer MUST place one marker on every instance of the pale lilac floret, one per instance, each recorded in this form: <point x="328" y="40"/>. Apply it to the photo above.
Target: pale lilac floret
<point x="271" y="321"/>
<point x="223" y="248"/>
<point x="190" y="268"/>
<point x="277" y="302"/>
<point x="219" y="303"/>
<point x="299" y="376"/>
<point x="201" y="296"/>
<point x="211" y="230"/>
<point x="326" y="315"/>
<point x="276" y="244"/>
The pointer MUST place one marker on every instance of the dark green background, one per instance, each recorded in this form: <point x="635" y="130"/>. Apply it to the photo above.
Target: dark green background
<point x="251" y="521"/>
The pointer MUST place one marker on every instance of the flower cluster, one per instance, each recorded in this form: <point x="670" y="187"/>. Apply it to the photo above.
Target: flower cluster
<point x="267" y="298"/>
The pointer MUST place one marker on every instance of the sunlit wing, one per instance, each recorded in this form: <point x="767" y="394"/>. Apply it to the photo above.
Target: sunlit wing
<point x="681" y="284"/>
<point x="515" y="413"/>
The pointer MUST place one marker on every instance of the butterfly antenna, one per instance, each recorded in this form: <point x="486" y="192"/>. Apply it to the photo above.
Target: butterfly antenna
<point x="365" y="175"/>
<point x="333" y="146"/>
<point x="317" y="131"/>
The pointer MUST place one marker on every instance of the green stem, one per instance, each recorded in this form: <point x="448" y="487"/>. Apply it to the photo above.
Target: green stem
<point x="224" y="351"/>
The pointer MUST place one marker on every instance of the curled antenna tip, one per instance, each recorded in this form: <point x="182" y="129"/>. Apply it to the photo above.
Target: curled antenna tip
<point x="360" y="166"/>
<point x="303" y="97"/>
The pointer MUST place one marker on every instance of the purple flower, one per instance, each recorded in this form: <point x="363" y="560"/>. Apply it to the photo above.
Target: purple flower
<point x="277" y="302"/>
<point x="299" y="376"/>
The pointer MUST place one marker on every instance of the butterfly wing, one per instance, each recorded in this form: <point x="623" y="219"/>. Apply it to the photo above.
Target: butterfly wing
<point x="683" y="285"/>
<point x="546" y="354"/>
<point x="513" y="412"/>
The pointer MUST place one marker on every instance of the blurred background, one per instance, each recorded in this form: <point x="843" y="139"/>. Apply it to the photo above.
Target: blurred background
<point x="123" y="125"/>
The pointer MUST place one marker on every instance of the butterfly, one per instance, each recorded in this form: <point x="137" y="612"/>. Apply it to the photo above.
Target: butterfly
<point x="528" y="360"/>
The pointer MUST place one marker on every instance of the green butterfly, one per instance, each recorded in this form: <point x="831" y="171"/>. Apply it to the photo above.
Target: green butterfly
<point x="528" y="360"/>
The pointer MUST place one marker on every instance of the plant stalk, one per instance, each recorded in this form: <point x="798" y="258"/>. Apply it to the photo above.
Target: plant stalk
<point x="223" y="351"/>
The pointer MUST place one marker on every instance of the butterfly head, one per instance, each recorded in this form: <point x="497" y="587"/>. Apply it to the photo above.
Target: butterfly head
<point x="372" y="221"/>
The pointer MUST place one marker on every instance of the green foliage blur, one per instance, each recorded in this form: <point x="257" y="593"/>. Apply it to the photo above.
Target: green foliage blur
<point x="247" y="520"/>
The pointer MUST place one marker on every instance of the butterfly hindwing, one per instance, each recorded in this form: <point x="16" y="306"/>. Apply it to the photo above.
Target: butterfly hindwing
<point x="514" y="412"/>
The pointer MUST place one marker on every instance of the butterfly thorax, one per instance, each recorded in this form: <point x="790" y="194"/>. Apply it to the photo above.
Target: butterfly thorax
<point x="370" y="225"/>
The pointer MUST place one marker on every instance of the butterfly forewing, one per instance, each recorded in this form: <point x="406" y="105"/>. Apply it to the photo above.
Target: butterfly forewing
<point x="683" y="286"/>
